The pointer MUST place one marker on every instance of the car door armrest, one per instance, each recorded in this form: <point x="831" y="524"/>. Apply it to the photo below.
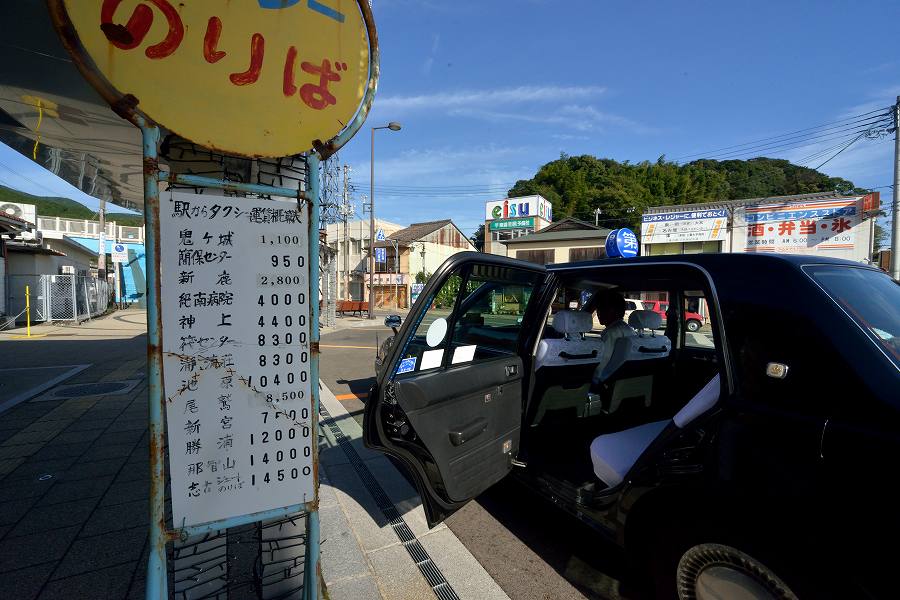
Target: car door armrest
<point x="461" y="435"/>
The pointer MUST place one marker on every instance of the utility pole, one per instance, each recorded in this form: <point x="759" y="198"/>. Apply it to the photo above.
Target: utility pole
<point x="101" y="248"/>
<point x="345" y="211"/>
<point x="372" y="229"/>
<point x="895" y="206"/>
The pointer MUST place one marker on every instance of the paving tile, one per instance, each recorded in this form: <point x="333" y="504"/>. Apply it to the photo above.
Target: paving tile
<point x="74" y="437"/>
<point x="8" y="422"/>
<point x="32" y="469"/>
<point x="113" y="437"/>
<point x="103" y="451"/>
<point x="13" y="490"/>
<point x="129" y="424"/>
<point x="117" y="517"/>
<point x="55" y="516"/>
<point x="100" y="551"/>
<point x="83" y="424"/>
<point x="13" y="510"/>
<point x="34" y="436"/>
<point x="97" y="468"/>
<point x="354" y="589"/>
<point x="19" y="451"/>
<point x="397" y="574"/>
<point x="134" y="471"/>
<point x="28" y="550"/>
<point x="109" y="583"/>
<point x="24" y="584"/>
<point x="9" y="465"/>
<point x="41" y="425"/>
<point x="67" y="491"/>
<point x="341" y="555"/>
<point x="56" y="451"/>
<point x="126" y="491"/>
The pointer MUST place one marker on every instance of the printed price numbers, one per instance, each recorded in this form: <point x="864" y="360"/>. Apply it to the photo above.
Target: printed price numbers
<point x="288" y="240"/>
<point x="281" y="299"/>
<point x="265" y="279"/>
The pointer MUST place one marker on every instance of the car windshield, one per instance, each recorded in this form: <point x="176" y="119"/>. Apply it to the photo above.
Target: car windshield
<point x="870" y="297"/>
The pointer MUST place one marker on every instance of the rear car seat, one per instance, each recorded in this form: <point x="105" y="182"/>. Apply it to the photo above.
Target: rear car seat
<point x="614" y="454"/>
<point x="634" y="361"/>
<point x="563" y="365"/>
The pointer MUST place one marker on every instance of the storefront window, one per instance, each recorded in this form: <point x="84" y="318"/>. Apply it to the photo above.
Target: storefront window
<point x="668" y="248"/>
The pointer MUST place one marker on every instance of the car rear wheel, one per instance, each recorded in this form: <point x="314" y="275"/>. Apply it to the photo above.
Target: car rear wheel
<point x="693" y="325"/>
<point x="714" y="571"/>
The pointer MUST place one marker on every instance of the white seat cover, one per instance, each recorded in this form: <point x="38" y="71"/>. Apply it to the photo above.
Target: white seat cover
<point x="614" y="454"/>
<point x="572" y="349"/>
<point x="705" y="399"/>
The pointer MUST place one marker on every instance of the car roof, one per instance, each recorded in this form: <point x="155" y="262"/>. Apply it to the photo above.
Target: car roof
<point x="715" y="262"/>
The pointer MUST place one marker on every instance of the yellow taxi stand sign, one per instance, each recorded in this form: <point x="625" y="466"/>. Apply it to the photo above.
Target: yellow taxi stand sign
<point x="261" y="78"/>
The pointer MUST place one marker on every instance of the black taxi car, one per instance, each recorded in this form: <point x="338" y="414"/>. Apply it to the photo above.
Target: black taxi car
<point x="753" y="458"/>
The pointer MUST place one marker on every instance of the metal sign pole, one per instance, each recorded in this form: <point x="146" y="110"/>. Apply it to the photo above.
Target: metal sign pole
<point x="311" y="571"/>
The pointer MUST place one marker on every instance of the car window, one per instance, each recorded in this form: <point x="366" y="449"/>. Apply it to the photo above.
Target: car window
<point x="474" y="316"/>
<point x="490" y="312"/>
<point x="871" y="298"/>
<point x="696" y="328"/>
<point x="419" y="354"/>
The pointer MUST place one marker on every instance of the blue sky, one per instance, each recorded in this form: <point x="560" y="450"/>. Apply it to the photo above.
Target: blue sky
<point x="487" y="91"/>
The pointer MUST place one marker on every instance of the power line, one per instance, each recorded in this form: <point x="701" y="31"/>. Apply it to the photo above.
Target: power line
<point x="850" y="143"/>
<point x="842" y="122"/>
<point x="802" y="142"/>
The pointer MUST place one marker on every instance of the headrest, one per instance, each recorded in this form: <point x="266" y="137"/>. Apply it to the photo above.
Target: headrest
<point x="645" y="319"/>
<point x="573" y="321"/>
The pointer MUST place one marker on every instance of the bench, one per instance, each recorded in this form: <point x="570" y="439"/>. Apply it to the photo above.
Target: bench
<point x="353" y="307"/>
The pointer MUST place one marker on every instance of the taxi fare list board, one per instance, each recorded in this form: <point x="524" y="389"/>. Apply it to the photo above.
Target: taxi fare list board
<point x="235" y="314"/>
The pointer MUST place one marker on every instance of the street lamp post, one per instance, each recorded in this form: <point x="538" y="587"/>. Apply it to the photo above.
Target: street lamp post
<point x="393" y="126"/>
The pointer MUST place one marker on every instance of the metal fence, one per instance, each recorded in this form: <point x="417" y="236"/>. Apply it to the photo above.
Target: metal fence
<point x="57" y="297"/>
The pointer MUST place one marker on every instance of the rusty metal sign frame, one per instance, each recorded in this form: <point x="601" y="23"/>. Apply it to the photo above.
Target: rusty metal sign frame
<point x="126" y="106"/>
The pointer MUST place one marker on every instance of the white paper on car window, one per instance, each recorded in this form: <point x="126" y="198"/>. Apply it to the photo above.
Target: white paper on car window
<point x="463" y="354"/>
<point x="431" y="359"/>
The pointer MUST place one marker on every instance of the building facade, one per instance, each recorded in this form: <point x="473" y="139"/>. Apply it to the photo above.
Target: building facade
<point x="512" y="218"/>
<point x="417" y="250"/>
<point x="568" y="240"/>
<point x="813" y="224"/>
<point x="350" y="241"/>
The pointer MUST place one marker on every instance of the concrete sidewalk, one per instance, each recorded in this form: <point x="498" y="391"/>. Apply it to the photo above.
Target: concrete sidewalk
<point x="375" y="540"/>
<point x="74" y="482"/>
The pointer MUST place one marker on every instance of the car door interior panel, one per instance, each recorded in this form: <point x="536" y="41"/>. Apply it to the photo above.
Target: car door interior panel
<point x="468" y="418"/>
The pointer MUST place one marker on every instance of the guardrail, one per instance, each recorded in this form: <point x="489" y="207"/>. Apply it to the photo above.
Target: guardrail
<point x="84" y="227"/>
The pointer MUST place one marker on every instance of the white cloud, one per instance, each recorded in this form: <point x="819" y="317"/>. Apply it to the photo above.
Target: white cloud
<point x="489" y="98"/>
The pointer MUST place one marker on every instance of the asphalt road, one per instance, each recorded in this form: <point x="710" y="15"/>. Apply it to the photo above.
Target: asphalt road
<point x="532" y="549"/>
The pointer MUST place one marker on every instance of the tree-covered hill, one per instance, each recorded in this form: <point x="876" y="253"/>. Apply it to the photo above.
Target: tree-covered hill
<point x="55" y="206"/>
<point x="576" y="185"/>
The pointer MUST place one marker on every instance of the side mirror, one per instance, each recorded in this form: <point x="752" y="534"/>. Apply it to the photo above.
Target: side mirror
<point x="393" y="321"/>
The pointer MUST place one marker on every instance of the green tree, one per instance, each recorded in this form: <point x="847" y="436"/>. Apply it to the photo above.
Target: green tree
<point x="577" y="185"/>
<point x="477" y="238"/>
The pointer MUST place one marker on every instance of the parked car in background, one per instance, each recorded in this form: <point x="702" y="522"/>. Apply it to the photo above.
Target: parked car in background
<point x="693" y="321"/>
<point x="752" y="466"/>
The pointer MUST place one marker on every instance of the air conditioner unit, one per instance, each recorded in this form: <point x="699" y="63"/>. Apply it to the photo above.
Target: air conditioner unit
<point x="34" y="236"/>
<point x="67" y="269"/>
<point x="22" y="211"/>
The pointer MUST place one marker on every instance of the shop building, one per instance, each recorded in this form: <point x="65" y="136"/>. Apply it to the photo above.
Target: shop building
<point x="819" y="224"/>
<point x="568" y="240"/>
<point x="350" y="242"/>
<point x="419" y="248"/>
<point x="513" y="218"/>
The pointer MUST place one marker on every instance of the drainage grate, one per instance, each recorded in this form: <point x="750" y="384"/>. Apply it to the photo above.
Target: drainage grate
<point x="80" y="390"/>
<point x="416" y="551"/>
